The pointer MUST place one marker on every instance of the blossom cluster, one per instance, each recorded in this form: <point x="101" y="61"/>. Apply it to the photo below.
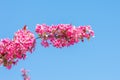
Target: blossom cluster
<point x="62" y="35"/>
<point x="24" y="74"/>
<point x="13" y="50"/>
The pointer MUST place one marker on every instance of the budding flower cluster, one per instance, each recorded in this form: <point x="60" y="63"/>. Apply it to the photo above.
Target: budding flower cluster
<point x="13" y="50"/>
<point x="62" y="35"/>
<point x="24" y="74"/>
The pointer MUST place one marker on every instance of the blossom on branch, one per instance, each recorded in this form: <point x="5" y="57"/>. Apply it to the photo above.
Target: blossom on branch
<point x="24" y="74"/>
<point x="62" y="35"/>
<point x="13" y="50"/>
<point x="25" y="39"/>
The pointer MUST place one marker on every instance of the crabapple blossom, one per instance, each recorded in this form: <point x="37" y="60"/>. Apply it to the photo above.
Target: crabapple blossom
<point x="25" y="38"/>
<point x="13" y="50"/>
<point x="62" y="35"/>
<point x="24" y="74"/>
<point x="7" y="53"/>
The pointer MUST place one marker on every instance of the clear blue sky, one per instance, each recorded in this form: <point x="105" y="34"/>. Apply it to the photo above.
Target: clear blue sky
<point x="97" y="59"/>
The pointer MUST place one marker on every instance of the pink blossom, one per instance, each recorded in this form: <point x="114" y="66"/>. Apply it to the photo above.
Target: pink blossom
<point x="13" y="50"/>
<point x="25" y="39"/>
<point x="45" y="43"/>
<point x="25" y="75"/>
<point x="62" y="35"/>
<point x="7" y="50"/>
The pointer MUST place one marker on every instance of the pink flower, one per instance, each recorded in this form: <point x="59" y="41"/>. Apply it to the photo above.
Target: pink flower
<point x="7" y="50"/>
<point x="44" y="43"/>
<point x="25" y="75"/>
<point x="25" y="39"/>
<point x="13" y="50"/>
<point x="62" y="35"/>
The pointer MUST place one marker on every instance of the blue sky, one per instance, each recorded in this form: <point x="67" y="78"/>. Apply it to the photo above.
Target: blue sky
<point x="97" y="59"/>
